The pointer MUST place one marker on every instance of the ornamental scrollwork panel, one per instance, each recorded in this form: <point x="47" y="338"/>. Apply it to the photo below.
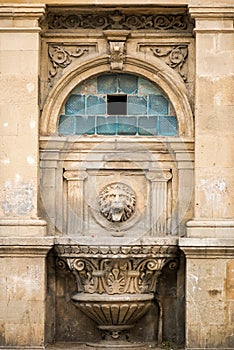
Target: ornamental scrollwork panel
<point x="174" y="56"/>
<point x="61" y="56"/>
<point x="119" y="20"/>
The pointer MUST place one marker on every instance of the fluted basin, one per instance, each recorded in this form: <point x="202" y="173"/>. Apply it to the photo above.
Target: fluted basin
<point x="114" y="314"/>
<point x="117" y="309"/>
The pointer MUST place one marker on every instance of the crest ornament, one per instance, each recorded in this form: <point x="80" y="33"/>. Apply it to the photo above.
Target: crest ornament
<point x="117" y="202"/>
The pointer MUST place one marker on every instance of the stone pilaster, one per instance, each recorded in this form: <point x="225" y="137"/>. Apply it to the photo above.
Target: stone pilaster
<point x="23" y="248"/>
<point x="20" y="45"/>
<point x="214" y="100"/>
<point x="209" y="246"/>
<point x="209" y="292"/>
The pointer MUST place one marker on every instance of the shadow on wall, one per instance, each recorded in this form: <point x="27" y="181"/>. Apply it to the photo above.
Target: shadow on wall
<point x="163" y="324"/>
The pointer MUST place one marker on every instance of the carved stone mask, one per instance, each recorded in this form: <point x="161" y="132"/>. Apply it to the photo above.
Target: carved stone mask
<point x="117" y="202"/>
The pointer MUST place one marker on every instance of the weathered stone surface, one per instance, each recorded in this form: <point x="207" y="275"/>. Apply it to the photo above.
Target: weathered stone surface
<point x="174" y="196"/>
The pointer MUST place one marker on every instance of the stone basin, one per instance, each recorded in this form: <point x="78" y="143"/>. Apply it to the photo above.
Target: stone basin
<point x="116" y="284"/>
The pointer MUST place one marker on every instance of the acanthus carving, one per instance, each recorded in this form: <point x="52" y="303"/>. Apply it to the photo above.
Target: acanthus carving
<point x="61" y="57"/>
<point x="118" y="20"/>
<point x="116" y="276"/>
<point x="174" y="57"/>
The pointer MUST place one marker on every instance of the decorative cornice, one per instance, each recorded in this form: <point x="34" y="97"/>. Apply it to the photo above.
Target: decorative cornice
<point x="75" y="250"/>
<point x="20" y="13"/>
<point x="212" y="11"/>
<point x="22" y="10"/>
<point x="118" y="20"/>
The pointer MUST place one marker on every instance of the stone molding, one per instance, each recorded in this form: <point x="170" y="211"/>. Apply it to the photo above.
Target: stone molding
<point x="158" y="249"/>
<point x="210" y="228"/>
<point x="23" y="17"/>
<point x="25" y="246"/>
<point x="213" y="18"/>
<point x="22" y="227"/>
<point x="207" y="248"/>
<point x="211" y="12"/>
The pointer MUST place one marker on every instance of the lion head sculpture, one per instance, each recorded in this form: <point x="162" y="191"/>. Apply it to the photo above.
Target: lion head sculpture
<point x="117" y="202"/>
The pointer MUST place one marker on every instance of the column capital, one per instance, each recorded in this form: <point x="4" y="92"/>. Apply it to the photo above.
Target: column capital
<point x="21" y="17"/>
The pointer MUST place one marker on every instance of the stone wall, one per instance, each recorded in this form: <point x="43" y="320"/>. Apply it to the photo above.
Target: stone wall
<point x="30" y="291"/>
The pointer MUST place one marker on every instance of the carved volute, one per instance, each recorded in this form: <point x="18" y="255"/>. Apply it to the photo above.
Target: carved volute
<point x="116" y="270"/>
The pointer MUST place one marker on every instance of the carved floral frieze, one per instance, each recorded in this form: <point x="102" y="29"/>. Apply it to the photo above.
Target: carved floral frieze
<point x="119" y="20"/>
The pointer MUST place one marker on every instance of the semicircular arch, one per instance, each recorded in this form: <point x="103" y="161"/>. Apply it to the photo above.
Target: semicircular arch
<point x="157" y="73"/>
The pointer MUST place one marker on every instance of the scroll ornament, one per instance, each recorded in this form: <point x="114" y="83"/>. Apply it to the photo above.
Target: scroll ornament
<point x="61" y="57"/>
<point x="175" y="57"/>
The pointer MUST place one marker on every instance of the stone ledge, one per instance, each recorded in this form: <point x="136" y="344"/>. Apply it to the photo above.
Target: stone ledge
<point x="22" y="228"/>
<point x="210" y="228"/>
<point x="25" y="246"/>
<point x="208" y="11"/>
<point x="21" y="10"/>
<point x="207" y="247"/>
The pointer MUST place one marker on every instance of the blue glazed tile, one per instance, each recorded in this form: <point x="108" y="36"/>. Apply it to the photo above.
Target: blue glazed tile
<point x="127" y="126"/>
<point x="147" y="125"/>
<point x="107" y="84"/>
<point x="158" y="105"/>
<point x="85" y="125"/>
<point x="88" y="86"/>
<point x="96" y="105"/>
<point x="167" y="126"/>
<point x="127" y="83"/>
<point x="137" y="105"/>
<point x="66" y="125"/>
<point x="106" y="125"/>
<point x="145" y="87"/>
<point x="75" y="105"/>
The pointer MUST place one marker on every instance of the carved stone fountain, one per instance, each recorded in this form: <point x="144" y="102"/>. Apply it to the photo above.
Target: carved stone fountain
<point x="115" y="284"/>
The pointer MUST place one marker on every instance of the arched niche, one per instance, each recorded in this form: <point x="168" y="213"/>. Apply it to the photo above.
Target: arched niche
<point x="158" y="73"/>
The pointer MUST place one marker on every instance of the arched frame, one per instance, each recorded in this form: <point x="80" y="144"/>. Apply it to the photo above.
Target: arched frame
<point x="154" y="71"/>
